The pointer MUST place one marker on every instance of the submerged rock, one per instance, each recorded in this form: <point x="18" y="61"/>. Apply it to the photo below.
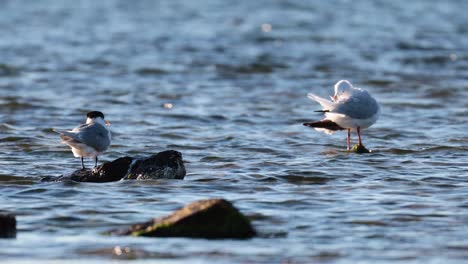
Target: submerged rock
<point x="7" y="226"/>
<point x="359" y="149"/>
<point x="212" y="218"/>
<point x="163" y="165"/>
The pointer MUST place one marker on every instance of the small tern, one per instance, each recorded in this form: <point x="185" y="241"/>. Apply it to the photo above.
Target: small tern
<point x="90" y="139"/>
<point x="350" y="108"/>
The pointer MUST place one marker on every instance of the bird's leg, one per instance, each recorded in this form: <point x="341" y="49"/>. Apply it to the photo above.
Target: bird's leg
<point x="359" y="135"/>
<point x="349" y="138"/>
<point x="82" y="163"/>
<point x="95" y="165"/>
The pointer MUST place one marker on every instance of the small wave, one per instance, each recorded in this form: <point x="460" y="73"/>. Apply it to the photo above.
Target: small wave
<point x="296" y="179"/>
<point x="172" y="136"/>
<point x="185" y="147"/>
<point x="304" y="177"/>
<point x="9" y="70"/>
<point x="215" y="159"/>
<point x="414" y="46"/>
<point x="260" y="150"/>
<point x="16" y="103"/>
<point x="8" y="127"/>
<point x="399" y="151"/>
<point x="16" y="180"/>
<point x="252" y="68"/>
<point x="150" y="71"/>
<point x="438" y="60"/>
<point x="378" y="82"/>
<point x="441" y="93"/>
<point x="98" y="62"/>
<point x="368" y="222"/>
<point x="17" y="139"/>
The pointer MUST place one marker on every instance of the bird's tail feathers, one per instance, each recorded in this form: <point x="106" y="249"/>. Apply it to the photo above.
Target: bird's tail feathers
<point x="67" y="137"/>
<point x="326" y="104"/>
<point x="64" y="133"/>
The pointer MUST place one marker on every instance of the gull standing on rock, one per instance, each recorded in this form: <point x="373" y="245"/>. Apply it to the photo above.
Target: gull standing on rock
<point x="90" y="139"/>
<point x="350" y="108"/>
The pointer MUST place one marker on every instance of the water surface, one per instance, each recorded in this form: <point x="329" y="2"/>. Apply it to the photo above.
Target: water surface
<point x="236" y="76"/>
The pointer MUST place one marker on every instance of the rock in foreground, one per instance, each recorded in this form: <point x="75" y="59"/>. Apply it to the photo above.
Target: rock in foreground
<point x="7" y="226"/>
<point x="212" y="218"/>
<point x="163" y="165"/>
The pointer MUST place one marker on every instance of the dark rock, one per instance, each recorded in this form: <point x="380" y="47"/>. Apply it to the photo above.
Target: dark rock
<point x="107" y="172"/>
<point x="163" y="165"/>
<point x="359" y="149"/>
<point x="212" y="218"/>
<point x="166" y="165"/>
<point x="7" y="226"/>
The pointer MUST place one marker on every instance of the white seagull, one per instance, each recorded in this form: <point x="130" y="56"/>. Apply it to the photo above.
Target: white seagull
<point x="90" y="139"/>
<point x="350" y="108"/>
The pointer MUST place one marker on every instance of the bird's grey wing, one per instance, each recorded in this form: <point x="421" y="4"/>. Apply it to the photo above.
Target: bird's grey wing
<point x="95" y="135"/>
<point x="360" y="105"/>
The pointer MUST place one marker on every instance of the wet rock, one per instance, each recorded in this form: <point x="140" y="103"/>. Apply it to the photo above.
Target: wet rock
<point x="7" y="226"/>
<point x="166" y="165"/>
<point x="212" y="219"/>
<point x="359" y="149"/>
<point x="163" y="165"/>
<point x="107" y="172"/>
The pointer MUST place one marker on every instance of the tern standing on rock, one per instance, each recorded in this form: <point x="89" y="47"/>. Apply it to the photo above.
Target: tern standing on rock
<point x="350" y="108"/>
<point x="90" y="139"/>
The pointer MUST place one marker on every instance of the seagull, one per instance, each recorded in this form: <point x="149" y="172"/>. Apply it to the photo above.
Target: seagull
<point x="350" y="108"/>
<point x="90" y="139"/>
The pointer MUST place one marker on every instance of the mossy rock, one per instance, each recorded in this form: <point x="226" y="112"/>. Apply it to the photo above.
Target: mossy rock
<point x="359" y="149"/>
<point x="7" y="226"/>
<point x="211" y="219"/>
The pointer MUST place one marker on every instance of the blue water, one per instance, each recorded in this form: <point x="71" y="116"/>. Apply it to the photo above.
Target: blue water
<point x="237" y="75"/>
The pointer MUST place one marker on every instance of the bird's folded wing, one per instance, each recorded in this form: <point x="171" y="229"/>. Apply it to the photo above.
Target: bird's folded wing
<point x="359" y="106"/>
<point x="96" y="136"/>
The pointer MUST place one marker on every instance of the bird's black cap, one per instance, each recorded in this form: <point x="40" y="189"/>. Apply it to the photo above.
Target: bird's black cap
<point x="94" y="114"/>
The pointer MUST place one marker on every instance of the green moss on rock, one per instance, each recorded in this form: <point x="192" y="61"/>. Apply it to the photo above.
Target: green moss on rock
<point x="360" y="149"/>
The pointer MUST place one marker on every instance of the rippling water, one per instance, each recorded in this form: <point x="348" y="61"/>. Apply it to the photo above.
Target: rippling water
<point x="236" y="75"/>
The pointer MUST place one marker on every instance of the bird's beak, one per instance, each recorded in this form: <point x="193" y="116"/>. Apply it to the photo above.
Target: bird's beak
<point x="107" y="123"/>
<point x="333" y="98"/>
